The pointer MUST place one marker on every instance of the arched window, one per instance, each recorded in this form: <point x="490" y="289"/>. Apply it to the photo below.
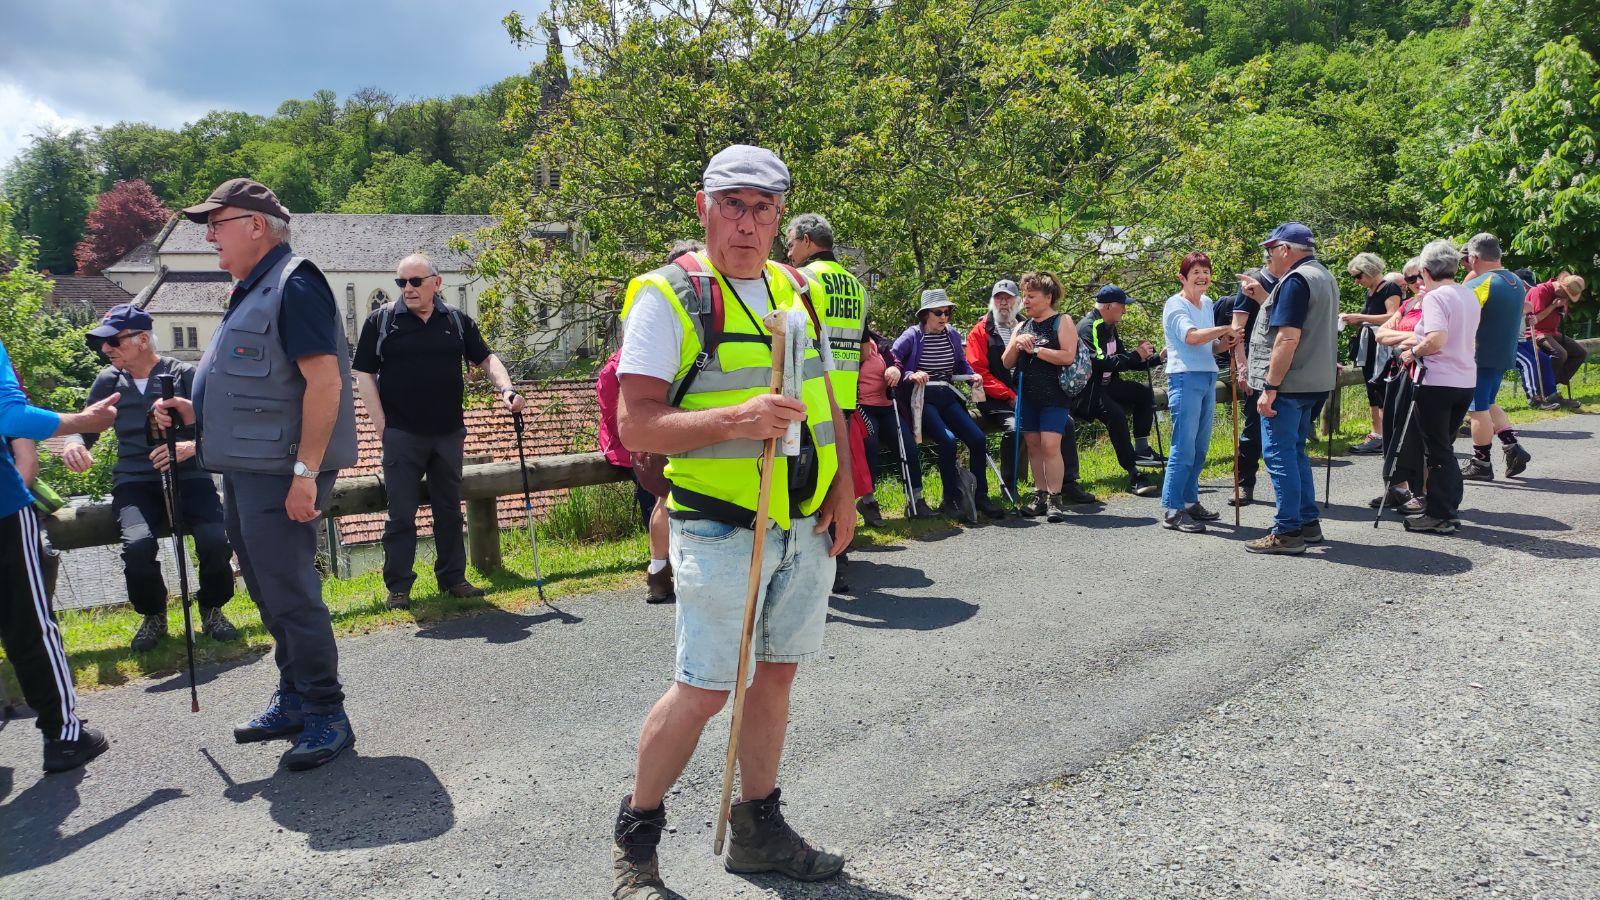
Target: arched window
<point x="377" y="299"/>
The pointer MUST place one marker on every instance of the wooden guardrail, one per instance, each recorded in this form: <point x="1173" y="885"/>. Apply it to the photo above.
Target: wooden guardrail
<point x="93" y="524"/>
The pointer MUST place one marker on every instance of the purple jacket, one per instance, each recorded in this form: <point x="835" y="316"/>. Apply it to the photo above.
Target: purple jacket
<point x="908" y="349"/>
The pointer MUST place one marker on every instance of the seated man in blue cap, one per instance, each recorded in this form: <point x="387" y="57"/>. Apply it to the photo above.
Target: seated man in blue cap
<point x="126" y="338"/>
<point x="1110" y="398"/>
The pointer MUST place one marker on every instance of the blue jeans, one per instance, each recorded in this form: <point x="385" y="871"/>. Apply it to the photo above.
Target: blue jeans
<point x="945" y="420"/>
<point x="1284" y="451"/>
<point x="1192" y="403"/>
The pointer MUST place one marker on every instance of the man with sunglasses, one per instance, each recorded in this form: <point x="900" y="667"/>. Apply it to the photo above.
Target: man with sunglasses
<point x="274" y="412"/>
<point x="409" y="363"/>
<point x="697" y="388"/>
<point x="127" y="340"/>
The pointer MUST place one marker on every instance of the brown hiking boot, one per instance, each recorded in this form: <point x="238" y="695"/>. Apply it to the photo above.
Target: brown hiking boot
<point x="466" y="590"/>
<point x="762" y="841"/>
<point x="1283" y="544"/>
<point x="398" y="600"/>
<point x="659" y="587"/>
<point x="635" y="871"/>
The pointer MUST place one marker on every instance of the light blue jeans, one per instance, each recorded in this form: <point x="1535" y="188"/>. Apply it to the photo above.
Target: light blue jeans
<point x="1192" y="403"/>
<point x="1283" y="448"/>
<point x="711" y="569"/>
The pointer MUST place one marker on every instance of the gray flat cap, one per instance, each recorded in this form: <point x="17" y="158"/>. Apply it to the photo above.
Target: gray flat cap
<point x="934" y="298"/>
<point x="743" y="166"/>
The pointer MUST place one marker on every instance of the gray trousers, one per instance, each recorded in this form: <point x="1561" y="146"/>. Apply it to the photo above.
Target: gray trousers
<point x="278" y="556"/>
<point x="406" y="458"/>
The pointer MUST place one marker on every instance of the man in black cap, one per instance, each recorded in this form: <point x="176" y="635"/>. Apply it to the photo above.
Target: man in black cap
<point x="275" y="409"/>
<point x="126" y="339"/>
<point x="1111" y="398"/>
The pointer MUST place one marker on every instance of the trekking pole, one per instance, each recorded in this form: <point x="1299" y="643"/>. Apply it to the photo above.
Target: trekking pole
<point x="777" y="324"/>
<point x="905" y="461"/>
<point x="1392" y="454"/>
<point x="1332" y="424"/>
<point x="169" y="491"/>
<point x="527" y="504"/>
<point x="1233" y="416"/>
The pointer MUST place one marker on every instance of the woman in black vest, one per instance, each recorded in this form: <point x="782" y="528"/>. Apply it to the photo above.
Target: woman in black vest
<point x="1038" y="349"/>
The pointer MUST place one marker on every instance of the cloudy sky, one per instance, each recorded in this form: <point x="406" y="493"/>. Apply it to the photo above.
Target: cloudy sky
<point x="95" y="62"/>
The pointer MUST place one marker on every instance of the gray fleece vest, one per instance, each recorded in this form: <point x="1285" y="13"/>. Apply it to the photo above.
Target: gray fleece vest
<point x="251" y="391"/>
<point x="1314" y="356"/>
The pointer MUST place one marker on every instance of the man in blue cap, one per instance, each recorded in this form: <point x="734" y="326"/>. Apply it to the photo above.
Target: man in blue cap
<point x="127" y="340"/>
<point x="1292" y="367"/>
<point x="695" y="386"/>
<point x="1111" y="399"/>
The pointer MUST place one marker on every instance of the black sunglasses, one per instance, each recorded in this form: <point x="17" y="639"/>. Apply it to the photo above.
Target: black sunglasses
<point x="414" y="281"/>
<point x="116" y="340"/>
<point x="942" y="313"/>
<point x="1413" y="279"/>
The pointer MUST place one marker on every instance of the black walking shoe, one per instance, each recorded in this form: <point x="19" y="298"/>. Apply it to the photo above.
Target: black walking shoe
<point x="870" y="512"/>
<point x="150" y="633"/>
<point x="1039" y="506"/>
<point x="923" y="510"/>
<point x="1076" y="495"/>
<point x="324" y="736"/>
<point x="1201" y="514"/>
<point x="1476" y="469"/>
<point x="1180" y="520"/>
<point x="1371" y="446"/>
<point x="636" y="875"/>
<point x="215" y="625"/>
<point x="1148" y="458"/>
<point x="841" y="583"/>
<point x="282" y="718"/>
<point x="1516" y="460"/>
<point x="1247" y="496"/>
<point x="1140" y="485"/>
<point x="761" y="841"/>
<point x="64" y="756"/>
<point x="1431" y="525"/>
<point x="1311" y="532"/>
<point x="951" y="509"/>
<point x="990" y="508"/>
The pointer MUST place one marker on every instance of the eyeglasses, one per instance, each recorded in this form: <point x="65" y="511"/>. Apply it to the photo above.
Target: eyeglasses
<point x="116" y="340"/>
<point x="733" y="209"/>
<point x="414" y="281"/>
<point x="211" y="226"/>
<point x="1413" y="279"/>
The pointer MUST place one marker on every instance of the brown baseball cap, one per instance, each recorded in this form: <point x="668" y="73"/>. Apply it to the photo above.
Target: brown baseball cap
<point x="241" y="193"/>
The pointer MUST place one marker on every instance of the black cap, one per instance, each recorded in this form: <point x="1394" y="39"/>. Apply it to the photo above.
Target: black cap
<point x="240" y="193"/>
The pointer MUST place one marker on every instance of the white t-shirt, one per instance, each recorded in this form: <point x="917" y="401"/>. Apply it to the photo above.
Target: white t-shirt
<point x="653" y="333"/>
<point x="141" y="383"/>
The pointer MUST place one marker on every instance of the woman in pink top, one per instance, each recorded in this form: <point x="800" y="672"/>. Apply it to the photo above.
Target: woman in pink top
<point x="1403" y="487"/>
<point x="1443" y="342"/>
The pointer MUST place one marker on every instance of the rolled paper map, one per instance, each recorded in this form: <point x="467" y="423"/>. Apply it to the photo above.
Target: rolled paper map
<point x="794" y="345"/>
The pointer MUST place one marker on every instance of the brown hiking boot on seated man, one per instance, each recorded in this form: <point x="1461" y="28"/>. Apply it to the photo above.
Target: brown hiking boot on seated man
<point x="764" y="842"/>
<point x="659" y="586"/>
<point x="398" y="600"/>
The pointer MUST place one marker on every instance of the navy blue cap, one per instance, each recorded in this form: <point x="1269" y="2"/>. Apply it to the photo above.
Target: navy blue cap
<point x="1290" y="233"/>
<point x="1112" y="294"/>
<point x="122" y="317"/>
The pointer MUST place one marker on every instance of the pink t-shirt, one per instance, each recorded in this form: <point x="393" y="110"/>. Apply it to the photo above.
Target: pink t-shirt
<point x="1452" y="309"/>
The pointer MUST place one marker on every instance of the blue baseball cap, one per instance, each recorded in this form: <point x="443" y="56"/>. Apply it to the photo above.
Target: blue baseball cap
<point x="1290" y="233"/>
<point x="122" y="317"/>
<point x="1112" y="294"/>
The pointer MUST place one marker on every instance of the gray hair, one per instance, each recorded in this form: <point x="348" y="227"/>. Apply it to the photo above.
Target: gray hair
<point x="1394" y="278"/>
<point x="1299" y="248"/>
<point x="420" y="257"/>
<point x="277" y="229"/>
<point x="679" y="248"/>
<point x="1368" y="264"/>
<point x="813" y="226"/>
<point x="1484" y="246"/>
<point x="1441" y="259"/>
<point x="1414" y="264"/>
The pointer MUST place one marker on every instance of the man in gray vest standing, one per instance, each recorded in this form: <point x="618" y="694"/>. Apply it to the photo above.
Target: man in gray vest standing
<point x="1292" y="368"/>
<point x="275" y="414"/>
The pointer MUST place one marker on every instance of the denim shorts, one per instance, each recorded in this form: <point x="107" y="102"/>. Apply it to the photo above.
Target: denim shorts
<point x="1036" y="417"/>
<point x="1489" y="381"/>
<point x="711" y="567"/>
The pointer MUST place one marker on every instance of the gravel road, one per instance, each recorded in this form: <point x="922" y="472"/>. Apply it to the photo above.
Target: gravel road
<point x="1096" y="709"/>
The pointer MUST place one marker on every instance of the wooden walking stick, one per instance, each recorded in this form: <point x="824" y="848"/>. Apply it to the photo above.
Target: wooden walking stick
<point x="1233" y="415"/>
<point x="776" y="323"/>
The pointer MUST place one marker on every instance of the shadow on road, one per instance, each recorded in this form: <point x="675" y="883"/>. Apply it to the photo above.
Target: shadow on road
<point x="494" y="626"/>
<point x="869" y="607"/>
<point x="841" y="887"/>
<point x="353" y="802"/>
<point x="1512" y="520"/>
<point x="1538" y="547"/>
<point x="1555" y="435"/>
<point x="1104" y="520"/>
<point x="1543" y="485"/>
<point x="206" y="674"/>
<point x="32" y="835"/>
<point x="1392" y="558"/>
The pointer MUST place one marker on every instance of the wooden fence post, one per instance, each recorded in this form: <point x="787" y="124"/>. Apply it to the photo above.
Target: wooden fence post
<point x="483" y="535"/>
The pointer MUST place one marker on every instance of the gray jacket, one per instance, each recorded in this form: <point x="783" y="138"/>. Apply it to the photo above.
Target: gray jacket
<point x="133" y="419"/>
<point x="251" y="391"/>
<point x="1312" y="370"/>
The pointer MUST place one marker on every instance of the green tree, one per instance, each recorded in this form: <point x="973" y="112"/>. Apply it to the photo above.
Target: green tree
<point x="402" y="184"/>
<point x="56" y="364"/>
<point x="49" y="187"/>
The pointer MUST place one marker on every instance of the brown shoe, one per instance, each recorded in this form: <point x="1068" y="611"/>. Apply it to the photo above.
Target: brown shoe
<point x="398" y="600"/>
<point x="761" y="841"/>
<point x="635" y="870"/>
<point x="1282" y="544"/>
<point x="659" y="587"/>
<point x="464" y="590"/>
<point x="635" y="880"/>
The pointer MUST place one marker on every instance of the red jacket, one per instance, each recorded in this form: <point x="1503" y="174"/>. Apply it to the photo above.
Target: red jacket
<point x="983" y="354"/>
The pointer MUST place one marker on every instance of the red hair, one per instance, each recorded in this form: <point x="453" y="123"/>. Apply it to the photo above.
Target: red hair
<point x="1189" y="262"/>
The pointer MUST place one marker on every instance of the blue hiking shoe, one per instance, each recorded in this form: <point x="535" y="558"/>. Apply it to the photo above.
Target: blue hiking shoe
<point x="281" y="719"/>
<point x="326" y="735"/>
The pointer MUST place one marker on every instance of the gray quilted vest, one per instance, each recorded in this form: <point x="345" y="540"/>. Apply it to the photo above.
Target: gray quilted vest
<point x="251" y="390"/>
<point x="1314" y="358"/>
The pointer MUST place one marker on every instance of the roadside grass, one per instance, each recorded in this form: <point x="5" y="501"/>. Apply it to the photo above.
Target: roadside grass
<point x="591" y="544"/>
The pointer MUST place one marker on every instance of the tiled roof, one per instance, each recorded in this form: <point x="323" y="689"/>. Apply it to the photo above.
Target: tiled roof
<point x="140" y="259"/>
<point x="92" y="294"/>
<point x="561" y="417"/>
<point x="188" y="293"/>
<point x="340" y="242"/>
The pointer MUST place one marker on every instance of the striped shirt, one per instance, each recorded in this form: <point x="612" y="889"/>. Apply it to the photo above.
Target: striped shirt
<point x="938" y="355"/>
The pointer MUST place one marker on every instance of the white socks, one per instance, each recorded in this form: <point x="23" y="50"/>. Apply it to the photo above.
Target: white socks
<point x="656" y="565"/>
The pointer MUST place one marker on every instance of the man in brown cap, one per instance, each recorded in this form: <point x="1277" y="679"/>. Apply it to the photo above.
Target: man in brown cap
<point x="275" y="414"/>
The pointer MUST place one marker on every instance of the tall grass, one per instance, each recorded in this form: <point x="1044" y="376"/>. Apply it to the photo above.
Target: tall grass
<point x="599" y="512"/>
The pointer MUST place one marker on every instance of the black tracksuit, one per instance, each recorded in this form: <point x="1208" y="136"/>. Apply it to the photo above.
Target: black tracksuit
<point x="1109" y="398"/>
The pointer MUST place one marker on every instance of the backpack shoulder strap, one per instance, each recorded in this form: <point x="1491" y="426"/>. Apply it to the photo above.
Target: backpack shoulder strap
<point x="704" y="302"/>
<point x="386" y="324"/>
<point x="802" y="287"/>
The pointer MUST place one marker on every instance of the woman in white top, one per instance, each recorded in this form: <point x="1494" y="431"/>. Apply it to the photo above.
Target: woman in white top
<point x="1191" y="391"/>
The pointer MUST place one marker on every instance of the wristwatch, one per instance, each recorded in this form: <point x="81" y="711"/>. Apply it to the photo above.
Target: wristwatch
<point x="1268" y="387"/>
<point x="301" y="470"/>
